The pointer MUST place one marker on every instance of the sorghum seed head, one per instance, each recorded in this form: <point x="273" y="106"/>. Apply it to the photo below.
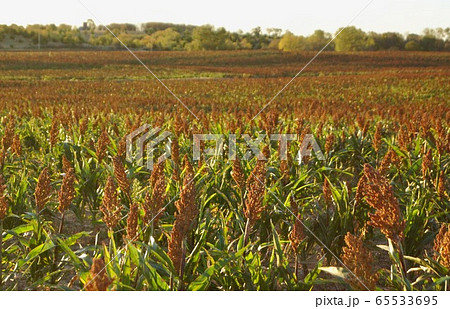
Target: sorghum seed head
<point x="67" y="191"/>
<point x="8" y="134"/>
<point x="360" y="189"/>
<point x="442" y="186"/>
<point x="83" y="126"/>
<point x="102" y="144"/>
<point x="43" y="189"/>
<point x="359" y="260"/>
<point x="377" y="137"/>
<point x="98" y="279"/>
<point x="329" y="143"/>
<point x="132" y="221"/>
<point x="121" y="176"/>
<point x="297" y="235"/>
<point x="380" y="195"/>
<point x="284" y="170"/>
<point x="154" y="202"/>
<point x="16" y="146"/>
<point x="175" y="245"/>
<point x="238" y="174"/>
<point x="184" y="218"/>
<point x="442" y="245"/>
<point x="110" y="205"/>
<point x="404" y="138"/>
<point x="122" y="147"/>
<point x="256" y="187"/>
<point x="66" y="164"/>
<point x="427" y="163"/>
<point x="175" y="152"/>
<point x="54" y="131"/>
<point x="327" y="191"/>
<point x="3" y="201"/>
<point x="391" y="158"/>
<point x="157" y="173"/>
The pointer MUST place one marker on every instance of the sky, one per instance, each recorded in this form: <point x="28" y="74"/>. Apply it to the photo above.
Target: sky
<point x="298" y="16"/>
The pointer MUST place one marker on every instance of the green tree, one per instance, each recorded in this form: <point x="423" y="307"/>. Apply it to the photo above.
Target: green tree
<point x="350" y="39"/>
<point x="207" y="38"/>
<point x="318" y="40"/>
<point x="433" y="39"/>
<point x="274" y="33"/>
<point x="257" y="38"/>
<point x="412" y="45"/>
<point x="168" y="39"/>
<point x="391" y="40"/>
<point x="291" y="42"/>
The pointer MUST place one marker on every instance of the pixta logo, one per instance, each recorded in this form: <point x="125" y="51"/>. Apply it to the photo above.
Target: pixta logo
<point x="143" y="143"/>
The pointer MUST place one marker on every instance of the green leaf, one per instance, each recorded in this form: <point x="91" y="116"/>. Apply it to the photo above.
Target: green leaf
<point x="77" y="261"/>
<point x="277" y="245"/>
<point x="17" y="231"/>
<point x="161" y="256"/>
<point x="36" y="252"/>
<point x="441" y="280"/>
<point x="133" y="253"/>
<point x="202" y="282"/>
<point x="70" y="241"/>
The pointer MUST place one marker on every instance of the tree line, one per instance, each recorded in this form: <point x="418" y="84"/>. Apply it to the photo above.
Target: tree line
<point x="166" y="36"/>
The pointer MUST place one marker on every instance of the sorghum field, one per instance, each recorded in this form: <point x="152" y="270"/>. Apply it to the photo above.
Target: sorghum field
<point x="372" y="215"/>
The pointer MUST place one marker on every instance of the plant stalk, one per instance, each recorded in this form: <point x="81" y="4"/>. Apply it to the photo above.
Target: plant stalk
<point x="402" y="258"/>
<point x="246" y="232"/>
<point x="1" y="255"/>
<point x="55" y="259"/>
<point x="181" y="270"/>
<point x="61" y="224"/>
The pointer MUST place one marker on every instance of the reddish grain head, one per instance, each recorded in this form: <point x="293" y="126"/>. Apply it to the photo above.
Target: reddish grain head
<point x="67" y="191"/>
<point x="43" y="189"/>
<point x="359" y="260"/>
<point x="98" y="279"/>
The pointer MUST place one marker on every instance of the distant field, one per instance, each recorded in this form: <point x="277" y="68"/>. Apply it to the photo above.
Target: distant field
<point x="365" y="217"/>
<point x="211" y="78"/>
<point x="115" y="64"/>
